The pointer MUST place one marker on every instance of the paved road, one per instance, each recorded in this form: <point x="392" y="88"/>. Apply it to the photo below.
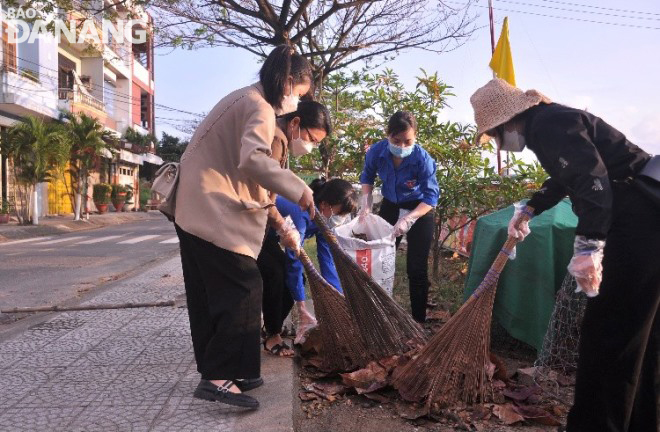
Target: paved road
<point x="126" y="369"/>
<point x="53" y="270"/>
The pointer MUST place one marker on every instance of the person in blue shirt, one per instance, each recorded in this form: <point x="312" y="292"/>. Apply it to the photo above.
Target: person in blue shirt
<point x="336" y="200"/>
<point x="410" y="193"/>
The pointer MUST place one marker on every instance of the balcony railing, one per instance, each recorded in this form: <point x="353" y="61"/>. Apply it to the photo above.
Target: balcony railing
<point x="80" y="97"/>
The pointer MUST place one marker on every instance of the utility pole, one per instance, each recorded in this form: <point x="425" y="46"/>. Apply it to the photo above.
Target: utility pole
<point x="492" y="51"/>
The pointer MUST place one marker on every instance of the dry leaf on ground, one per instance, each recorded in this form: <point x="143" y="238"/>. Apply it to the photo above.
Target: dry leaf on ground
<point x="523" y="393"/>
<point x="537" y="414"/>
<point x="410" y="411"/>
<point x="507" y="414"/>
<point x="369" y="379"/>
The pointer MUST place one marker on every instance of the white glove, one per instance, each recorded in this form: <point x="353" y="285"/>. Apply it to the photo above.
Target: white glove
<point x="522" y="230"/>
<point x="403" y="225"/>
<point x="366" y="204"/>
<point x="289" y="235"/>
<point x="587" y="265"/>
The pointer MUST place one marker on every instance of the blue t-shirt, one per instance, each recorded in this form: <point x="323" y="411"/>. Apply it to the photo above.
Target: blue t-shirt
<point x="294" y="268"/>
<point x="413" y="180"/>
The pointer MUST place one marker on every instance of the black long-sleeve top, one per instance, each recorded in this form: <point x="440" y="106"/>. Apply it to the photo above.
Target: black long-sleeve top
<point x="583" y="155"/>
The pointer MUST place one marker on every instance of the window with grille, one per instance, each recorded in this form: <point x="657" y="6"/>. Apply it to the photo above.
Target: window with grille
<point x="8" y="49"/>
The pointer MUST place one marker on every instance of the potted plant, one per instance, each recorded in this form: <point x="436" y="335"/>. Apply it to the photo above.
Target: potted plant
<point x="101" y="196"/>
<point x="4" y="211"/>
<point x="118" y="196"/>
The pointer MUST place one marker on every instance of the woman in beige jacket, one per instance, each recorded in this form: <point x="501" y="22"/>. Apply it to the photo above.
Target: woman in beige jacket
<point x="221" y="212"/>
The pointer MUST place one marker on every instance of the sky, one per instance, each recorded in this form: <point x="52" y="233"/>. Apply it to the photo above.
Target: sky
<point x="613" y="71"/>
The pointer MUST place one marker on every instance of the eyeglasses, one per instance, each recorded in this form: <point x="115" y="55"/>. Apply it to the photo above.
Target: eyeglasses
<point x="312" y="138"/>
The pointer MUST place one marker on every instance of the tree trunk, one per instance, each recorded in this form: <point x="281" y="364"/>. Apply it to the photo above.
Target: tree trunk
<point x="77" y="207"/>
<point x="35" y="206"/>
<point x="437" y="244"/>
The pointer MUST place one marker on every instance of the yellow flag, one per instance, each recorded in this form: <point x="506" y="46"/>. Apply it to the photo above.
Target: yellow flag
<point x="502" y="62"/>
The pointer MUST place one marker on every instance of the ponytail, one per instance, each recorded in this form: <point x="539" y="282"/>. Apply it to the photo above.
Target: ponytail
<point x="282" y="63"/>
<point x="317" y="186"/>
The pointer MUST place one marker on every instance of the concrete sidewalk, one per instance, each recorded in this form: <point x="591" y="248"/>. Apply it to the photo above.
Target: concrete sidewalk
<point x="126" y="370"/>
<point x="54" y="225"/>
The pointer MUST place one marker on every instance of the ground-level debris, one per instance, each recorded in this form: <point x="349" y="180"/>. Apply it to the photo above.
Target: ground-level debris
<point x="57" y="308"/>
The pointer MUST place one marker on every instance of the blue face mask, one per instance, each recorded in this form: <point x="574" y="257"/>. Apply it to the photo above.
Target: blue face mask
<point x="401" y="152"/>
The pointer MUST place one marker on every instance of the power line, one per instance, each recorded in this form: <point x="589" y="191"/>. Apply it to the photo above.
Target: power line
<point x="602" y="8"/>
<point x="578" y="11"/>
<point x="125" y="97"/>
<point x="561" y="17"/>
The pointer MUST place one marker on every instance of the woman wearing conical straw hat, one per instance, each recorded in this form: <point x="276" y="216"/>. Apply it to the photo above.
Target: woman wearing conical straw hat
<point x="616" y="249"/>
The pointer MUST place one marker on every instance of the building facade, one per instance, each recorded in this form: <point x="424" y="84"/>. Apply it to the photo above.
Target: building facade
<point x="112" y="81"/>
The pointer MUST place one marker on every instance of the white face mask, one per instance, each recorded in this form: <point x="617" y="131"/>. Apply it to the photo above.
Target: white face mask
<point x="336" y="220"/>
<point x="300" y="147"/>
<point x="511" y="137"/>
<point x="512" y="141"/>
<point x="289" y="103"/>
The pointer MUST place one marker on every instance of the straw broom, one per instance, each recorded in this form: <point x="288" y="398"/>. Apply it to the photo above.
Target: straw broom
<point x="342" y="346"/>
<point x="452" y="366"/>
<point x="385" y="327"/>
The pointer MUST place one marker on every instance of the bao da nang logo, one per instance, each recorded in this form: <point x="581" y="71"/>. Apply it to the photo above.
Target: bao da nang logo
<point x="28" y="26"/>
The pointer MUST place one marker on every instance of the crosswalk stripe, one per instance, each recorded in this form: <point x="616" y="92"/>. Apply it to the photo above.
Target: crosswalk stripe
<point x="100" y="239"/>
<point x="24" y="241"/>
<point x="172" y="240"/>
<point x="138" y="239"/>
<point x="60" y="240"/>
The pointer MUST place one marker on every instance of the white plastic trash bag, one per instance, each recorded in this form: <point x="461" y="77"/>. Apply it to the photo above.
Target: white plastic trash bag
<point x="377" y="254"/>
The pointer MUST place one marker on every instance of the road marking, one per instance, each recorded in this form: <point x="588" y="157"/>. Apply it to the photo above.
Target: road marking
<point x="61" y="240"/>
<point x="172" y="240"/>
<point x="138" y="239"/>
<point x="25" y="241"/>
<point x="100" y="239"/>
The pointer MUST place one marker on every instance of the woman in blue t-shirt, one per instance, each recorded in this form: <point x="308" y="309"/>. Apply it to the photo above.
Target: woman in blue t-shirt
<point x="283" y="271"/>
<point x="410" y="193"/>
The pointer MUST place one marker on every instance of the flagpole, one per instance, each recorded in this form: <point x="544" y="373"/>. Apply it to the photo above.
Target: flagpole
<point x="492" y="51"/>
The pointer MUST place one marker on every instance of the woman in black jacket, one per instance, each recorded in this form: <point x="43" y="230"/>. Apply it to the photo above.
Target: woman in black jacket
<point x="617" y="242"/>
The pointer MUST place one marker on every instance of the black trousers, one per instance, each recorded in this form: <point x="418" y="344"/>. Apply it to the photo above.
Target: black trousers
<point x="419" y="238"/>
<point x="277" y="299"/>
<point x="617" y="379"/>
<point x="223" y="290"/>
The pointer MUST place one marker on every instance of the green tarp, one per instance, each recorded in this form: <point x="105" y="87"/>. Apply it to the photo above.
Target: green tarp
<point x="527" y="286"/>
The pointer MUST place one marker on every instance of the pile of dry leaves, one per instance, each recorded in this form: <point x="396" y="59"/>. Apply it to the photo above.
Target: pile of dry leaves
<point x="516" y="398"/>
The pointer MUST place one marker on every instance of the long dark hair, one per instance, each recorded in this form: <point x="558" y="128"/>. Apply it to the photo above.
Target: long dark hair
<point x="313" y="115"/>
<point x="401" y="121"/>
<point x="282" y="63"/>
<point x="333" y="192"/>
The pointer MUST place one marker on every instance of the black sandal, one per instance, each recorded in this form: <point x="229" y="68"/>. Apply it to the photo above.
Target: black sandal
<point x="208" y="391"/>
<point x="277" y="349"/>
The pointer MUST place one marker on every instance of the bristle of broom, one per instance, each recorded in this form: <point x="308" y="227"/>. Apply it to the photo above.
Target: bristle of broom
<point x="452" y="366"/>
<point x="342" y="347"/>
<point x="385" y="328"/>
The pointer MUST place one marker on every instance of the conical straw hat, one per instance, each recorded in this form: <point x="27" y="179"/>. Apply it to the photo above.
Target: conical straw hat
<point x="498" y="102"/>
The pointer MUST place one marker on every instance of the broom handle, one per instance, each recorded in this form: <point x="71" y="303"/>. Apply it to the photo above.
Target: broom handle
<point x="309" y="266"/>
<point x="503" y="256"/>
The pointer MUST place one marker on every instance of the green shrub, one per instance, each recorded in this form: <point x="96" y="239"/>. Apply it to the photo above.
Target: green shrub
<point x="5" y="207"/>
<point x="116" y="190"/>
<point x="102" y="193"/>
